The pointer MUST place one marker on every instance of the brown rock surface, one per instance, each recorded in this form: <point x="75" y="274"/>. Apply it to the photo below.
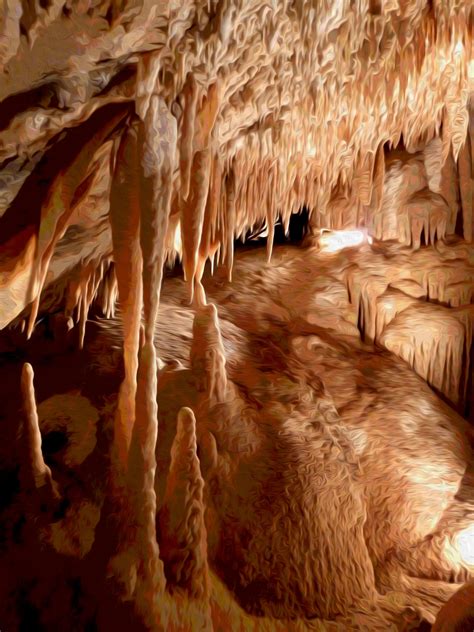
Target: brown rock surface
<point x="275" y="441"/>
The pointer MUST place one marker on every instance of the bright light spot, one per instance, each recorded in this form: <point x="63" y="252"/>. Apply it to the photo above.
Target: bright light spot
<point x="177" y="239"/>
<point x="465" y="544"/>
<point x="334" y="240"/>
<point x="470" y="69"/>
<point x="458" y="48"/>
<point x="311" y="150"/>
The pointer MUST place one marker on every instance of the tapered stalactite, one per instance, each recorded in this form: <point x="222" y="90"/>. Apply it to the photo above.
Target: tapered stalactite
<point x="65" y="192"/>
<point x="314" y="132"/>
<point x="192" y="216"/>
<point x="449" y="189"/>
<point x="270" y="222"/>
<point x="125" y="222"/>
<point x="194" y="199"/>
<point x="229" y="230"/>
<point x="108" y="292"/>
<point x="182" y="527"/>
<point x="209" y="243"/>
<point x="82" y="290"/>
<point x="466" y="182"/>
<point x="120" y="553"/>
<point x="157" y="142"/>
<point x="190" y="97"/>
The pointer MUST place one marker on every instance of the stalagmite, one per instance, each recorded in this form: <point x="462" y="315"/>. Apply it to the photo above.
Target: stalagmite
<point x="208" y="355"/>
<point x="34" y="470"/>
<point x="182" y="529"/>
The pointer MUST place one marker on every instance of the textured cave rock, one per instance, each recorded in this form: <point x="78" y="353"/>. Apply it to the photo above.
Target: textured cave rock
<point x="236" y="314"/>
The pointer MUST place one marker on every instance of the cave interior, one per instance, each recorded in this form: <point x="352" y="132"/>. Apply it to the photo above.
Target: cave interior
<point x="236" y="315"/>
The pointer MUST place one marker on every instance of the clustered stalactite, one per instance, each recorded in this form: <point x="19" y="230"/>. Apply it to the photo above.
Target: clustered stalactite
<point x="269" y="128"/>
<point x="184" y="126"/>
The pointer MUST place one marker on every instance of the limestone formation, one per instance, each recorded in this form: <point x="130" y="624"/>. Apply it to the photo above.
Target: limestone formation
<point x="228" y="437"/>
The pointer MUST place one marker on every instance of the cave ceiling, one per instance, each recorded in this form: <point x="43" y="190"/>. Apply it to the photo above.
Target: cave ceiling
<point x="189" y="408"/>
<point x="265" y="106"/>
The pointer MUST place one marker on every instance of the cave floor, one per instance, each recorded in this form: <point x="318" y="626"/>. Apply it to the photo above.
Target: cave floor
<point x="299" y="370"/>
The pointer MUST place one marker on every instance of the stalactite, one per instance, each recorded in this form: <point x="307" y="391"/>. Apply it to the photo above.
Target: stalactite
<point x="190" y="96"/>
<point x="432" y="339"/>
<point x="193" y="202"/>
<point x="109" y="292"/>
<point x="157" y="140"/>
<point x="82" y="290"/>
<point x="260" y="111"/>
<point x="229" y="231"/>
<point x="466" y="186"/>
<point x="192" y="216"/>
<point x="207" y="245"/>
<point x="364" y="292"/>
<point x="59" y="206"/>
<point x="182" y="527"/>
<point x="125" y="222"/>
<point x="449" y="190"/>
<point x="433" y="159"/>
<point x="435" y="339"/>
<point x="270" y="221"/>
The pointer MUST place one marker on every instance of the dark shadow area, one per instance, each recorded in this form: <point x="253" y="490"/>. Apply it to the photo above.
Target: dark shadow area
<point x="298" y="228"/>
<point x="44" y="96"/>
<point x="24" y="213"/>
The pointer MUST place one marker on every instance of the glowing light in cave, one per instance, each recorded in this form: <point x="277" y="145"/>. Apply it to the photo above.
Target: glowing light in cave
<point x="458" y="48"/>
<point x="334" y="240"/>
<point x="465" y="544"/>
<point x="177" y="245"/>
<point x="470" y="70"/>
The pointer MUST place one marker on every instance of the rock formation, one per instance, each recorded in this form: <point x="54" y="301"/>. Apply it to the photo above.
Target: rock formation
<point x="200" y="435"/>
